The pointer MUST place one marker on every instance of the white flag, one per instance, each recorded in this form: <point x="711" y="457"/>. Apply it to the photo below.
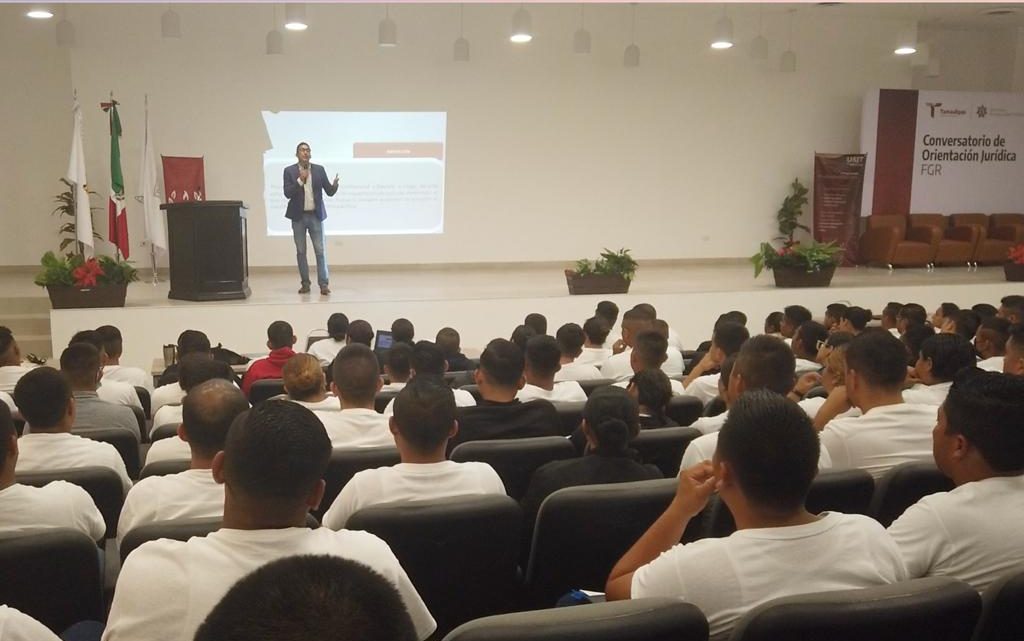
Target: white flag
<point x="76" y="176"/>
<point x="156" y="234"/>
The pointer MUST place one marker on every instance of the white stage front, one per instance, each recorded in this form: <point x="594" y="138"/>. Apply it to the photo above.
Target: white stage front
<point x="483" y="302"/>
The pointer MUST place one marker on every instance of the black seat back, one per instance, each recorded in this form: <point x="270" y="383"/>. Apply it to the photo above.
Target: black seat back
<point x="126" y="444"/>
<point x="903" y="486"/>
<point x="345" y="463"/>
<point x="1002" y="617"/>
<point x="163" y="468"/>
<point x="167" y="430"/>
<point x="515" y="459"/>
<point x="265" y="388"/>
<point x="664" y="446"/>
<point x="570" y="414"/>
<point x="101" y="483"/>
<point x="145" y="400"/>
<point x="684" y="410"/>
<point x="593" y="384"/>
<point x="380" y="402"/>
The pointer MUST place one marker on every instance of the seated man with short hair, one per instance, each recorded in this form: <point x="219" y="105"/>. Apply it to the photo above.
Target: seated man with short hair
<point x="423" y="423"/>
<point x="109" y="391"/>
<point x="272" y="468"/>
<point x="326" y="349"/>
<point x="449" y="341"/>
<point x="570" y="339"/>
<point x="726" y="341"/>
<point x="58" y="504"/>
<point x="11" y="367"/>
<point x="428" y="360"/>
<point x="649" y="352"/>
<point x="542" y="364"/>
<point x="80" y="365"/>
<point x="617" y="367"/>
<point x="805" y="346"/>
<point x="941" y="357"/>
<point x="356" y="381"/>
<point x="500" y="414"/>
<point x="1011" y="308"/>
<point x="990" y="342"/>
<point x="113" y="345"/>
<point x="193" y="372"/>
<point x="44" y="398"/>
<point x="766" y="459"/>
<point x="1013" y="360"/>
<point x="360" y="332"/>
<point x="793" y="316"/>
<point x="595" y="332"/>
<point x="280" y="340"/>
<point x="305" y="383"/>
<point x="191" y="344"/>
<point x="974" y="533"/>
<point x="208" y="411"/>
<point x="397" y="367"/>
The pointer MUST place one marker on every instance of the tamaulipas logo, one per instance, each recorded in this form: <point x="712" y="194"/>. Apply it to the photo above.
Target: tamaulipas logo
<point x="945" y="113"/>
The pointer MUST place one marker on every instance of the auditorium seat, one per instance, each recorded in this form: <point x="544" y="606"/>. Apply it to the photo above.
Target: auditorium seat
<point x="957" y="243"/>
<point x="936" y="609"/>
<point x="314" y="336"/>
<point x="102" y="484"/>
<point x="664" y="446"/>
<point x="52" y="576"/>
<point x="582" y="531"/>
<point x="265" y="388"/>
<point x="167" y="430"/>
<point x="636" y="620"/>
<point x="684" y="410"/>
<point x="714" y="407"/>
<point x="460" y="553"/>
<point x="591" y="385"/>
<point x="123" y="441"/>
<point x="473" y="389"/>
<point x="163" y="468"/>
<point x="140" y="418"/>
<point x="571" y="415"/>
<point x="890" y="241"/>
<point x="993" y="243"/>
<point x="345" y="463"/>
<point x="1002" y="614"/>
<point x="145" y="400"/>
<point x="457" y="379"/>
<point x="903" y="486"/>
<point x="380" y="402"/>
<point x="515" y="459"/>
<point x="1007" y="227"/>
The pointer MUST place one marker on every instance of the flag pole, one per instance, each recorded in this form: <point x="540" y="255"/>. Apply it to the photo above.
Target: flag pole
<point x="152" y="247"/>
<point x="110" y="121"/>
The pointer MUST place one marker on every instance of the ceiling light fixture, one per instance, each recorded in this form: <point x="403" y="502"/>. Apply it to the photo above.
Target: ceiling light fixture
<point x="723" y="32"/>
<point x="631" y="57"/>
<point x="295" y="16"/>
<point x="759" y="46"/>
<point x="522" y="29"/>
<point x="581" y="39"/>
<point x="460" y="51"/>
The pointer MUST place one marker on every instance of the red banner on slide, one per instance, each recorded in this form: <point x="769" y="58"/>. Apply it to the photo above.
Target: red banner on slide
<point x="184" y="179"/>
<point x="838" y="185"/>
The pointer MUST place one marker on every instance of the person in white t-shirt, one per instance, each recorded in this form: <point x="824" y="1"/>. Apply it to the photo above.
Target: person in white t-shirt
<point x="726" y="340"/>
<point x="428" y="359"/>
<point x="56" y="505"/>
<point x="397" y="368"/>
<point x="890" y="318"/>
<point x="11" y="367"/>
<point x="193" y="372"/>
<point x="209" y="409"/>
<point x="834" y="313"/>
<point x="110" y="391"/>
<point x="594" y="352"/>
<point x="356" y="381"/>
<point x="423" y="423"/>
<point x="805" y="346"/>
<point x="326" y="349"/>
<point x="113" y="344"/>
<point x="272" y="469"/>
<point x="650" y="349"/>
<point x="833" y="380"/>
<point x="45" y="399"/>
<point x="974" y="533"/>
<point x="889" y="431"/>
<point x="766" y="459"/>
<point x="940" y="358"/>
<point x="543" y="361"/>
<point x="617" y="366"/>
<point x="18" y="626"/>
<point x="990" y="343"/>
<point x="310" y="597"/>
<point x="1013" y="361"/>
<point x="855" y="320"/>
<point x="793" y="316"/>
<point x="570" y="339"/>
<point x="8" y="400"/>
<point x="305" y="384"/>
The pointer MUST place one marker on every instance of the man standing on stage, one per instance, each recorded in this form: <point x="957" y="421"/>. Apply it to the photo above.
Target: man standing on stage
<point x="304" y="187"/>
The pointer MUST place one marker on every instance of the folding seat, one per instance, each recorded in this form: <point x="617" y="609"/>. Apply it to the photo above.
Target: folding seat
<point x="515" y="459"/>
<point x="903" y="486"/>
<point x="101" y="483"/>
<point x="380" y="402"/>
<point x="167" y="430"/>
<point x="571" y="415"/>
<point x="591" y="385"/>
<point x="144" y="399"/>
<point x="345" y="463"/>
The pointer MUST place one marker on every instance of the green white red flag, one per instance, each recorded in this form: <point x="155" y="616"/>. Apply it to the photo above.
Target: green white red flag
<point x="117" y="214"/>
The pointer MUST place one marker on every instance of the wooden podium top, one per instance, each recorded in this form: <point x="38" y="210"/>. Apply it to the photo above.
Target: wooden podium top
<point x="189" y="204"/>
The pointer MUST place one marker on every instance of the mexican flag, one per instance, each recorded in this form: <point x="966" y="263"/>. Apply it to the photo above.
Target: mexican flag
<point x="116" y="213"/>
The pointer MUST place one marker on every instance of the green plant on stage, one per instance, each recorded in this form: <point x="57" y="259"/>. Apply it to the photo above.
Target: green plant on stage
<point x="810" y="256"/>
<point x="66" y="210"/>
<point x="610" y="263"/>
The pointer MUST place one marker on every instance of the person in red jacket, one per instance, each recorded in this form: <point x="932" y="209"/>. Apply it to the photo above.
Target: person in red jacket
<point x="280" y="339"/>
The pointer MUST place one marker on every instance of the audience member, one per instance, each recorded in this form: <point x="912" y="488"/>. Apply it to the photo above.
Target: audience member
<point x="305" y="383"/>
<point x="543" y="361"/>
<point x="595" y="332"/>
<point x="521" y="335"/>
<point x="990" y="343"/>
<point x="193" y="372"/>
<point x="356" y="381"/>
<point x="44" y="398"/>
<point x="398" y="367"/>
<point x="834" y="314"/>
<point x="889" y="431"/>
<point x="649" y="351"/>
<point x="915" y="336"/>
<point x="793" y="317"/>
<point x="833" y="381"/>
<point x="973" y="533"/>
<point x="301" y="598"/>
<point x="1011" y="308"/>
<point x="940" y="358"/>
<point x="449" y="341"/>
<point x="110" y="391"/>
<point x="500" y="414"/>
<point x="360" y="332"/>
<point x="423" y="423"/>
<point x="835" y="339"/>
<point x="964" y="323"/>
<point x="1013" y="361"/>
<point x="985" y="310"/>
<point x="910" y="315"/>
<point x="943" y="313"/>
<point x="80" y="365"/>
<point x="726" y="341"/>
<point x="890" y="318"/>
<point x="11" y="367"/>
<point x="113" y="345"/>
<point x="280" y="340"/>
<point x="191" y="344"/>
<point x="272" y="469"/>
<point x="428" y="360"/>
<point x="773" y="324"/>
<point x="806" y="341"/>
<point x="608" y="312"/>
<point x="855" y="320"/>
<point x="58" y="504"/>
<point x="617" y="366"/>
<point x="208" y="411"/>
<point x="537" y="322"/>
<point x="652" y="391"/>
<point x="570" y="339"/>
<point x="402" y="331"/>
<point x="18" y="626"/>
<point x="326" y="349"/>
<point x="762" y="469"/>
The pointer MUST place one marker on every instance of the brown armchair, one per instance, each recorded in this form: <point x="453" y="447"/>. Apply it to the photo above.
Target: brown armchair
<point x="891" y="241"/>
<point x="956" y="244"/>
<point x="1007" y="227"/>
<point x="989" y="250"/>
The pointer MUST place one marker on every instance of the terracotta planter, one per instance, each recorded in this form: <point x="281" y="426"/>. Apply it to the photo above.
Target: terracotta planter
<point x="595" y="283"/>
<point x="1014" y="272"/>
<point x="799" y="277"/>
<point x="71" y="297"/>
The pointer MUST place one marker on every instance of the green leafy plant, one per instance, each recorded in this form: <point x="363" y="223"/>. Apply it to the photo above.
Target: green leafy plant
<point x="66" y="211"/>
<point x="616" y="263"/>
<point x="78" y="271"/>
<point x="811" y="256"/>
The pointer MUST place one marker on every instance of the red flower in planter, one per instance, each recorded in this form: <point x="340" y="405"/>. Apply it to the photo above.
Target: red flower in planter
<point x="1016" y="255"/>
<point x="86" y="274"/>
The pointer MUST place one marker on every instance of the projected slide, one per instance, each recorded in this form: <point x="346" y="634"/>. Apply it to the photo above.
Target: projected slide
<point x="391" y="167"/>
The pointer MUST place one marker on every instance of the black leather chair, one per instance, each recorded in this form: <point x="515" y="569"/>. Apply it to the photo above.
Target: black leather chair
<point x="1002" y="613"/>
<point x="53" y="576"/>
<point x="581" y="532"/>
<point x="123" y="441"/>
<point x="460" y="553"/>
<point x="684" y="410"/>
<point x="145" y="400"/>
<point x="168" y="430"/>
<point x="816" y="392"/>
<point x="636" y="620"/>
<point x="571" y="414"/>
<point x="846" y="491"/>
<point x="458" y="379"/>
<point x="380" y="402"/>
<point x="515" y="459"/>
<point x="163" y="468"/>
<point x="473" y="389"/>
<point x="903" y="486"/>
<point x="265" y="388"/>
<point x="140" y="418"/>
<point x="664" y="446"/>
<point x="344" y="464"/>
<point x="591" y="385"/>
<point x="936" y="609"/>
<point x="101" y="483"/>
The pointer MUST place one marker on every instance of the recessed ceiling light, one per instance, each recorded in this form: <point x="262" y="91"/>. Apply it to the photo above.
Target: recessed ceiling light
<point x="40" y="14"/>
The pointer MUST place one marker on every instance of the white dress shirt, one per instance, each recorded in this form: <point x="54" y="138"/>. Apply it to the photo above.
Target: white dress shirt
<point x="192" y="494"/>
<point x="704" y="387"/>
<point x="881" y="438"/>
<point x="9" y="401"/>
<point x="595" y="356"/>
<point x="992" y="364"/>
<point x="58" y="504"/>
<point x="329" y="404"/>
<point x="50" y="452"/>
<point x="564" y="392"/>
<point x="168" y="449"/>
<point x="804" y="366"/>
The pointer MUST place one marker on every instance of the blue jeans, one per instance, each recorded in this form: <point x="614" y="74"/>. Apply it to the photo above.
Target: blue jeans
<point x="315" y="226"/>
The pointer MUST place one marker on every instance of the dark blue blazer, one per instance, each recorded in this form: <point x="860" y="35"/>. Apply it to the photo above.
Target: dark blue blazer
<point x="293" y="191"/>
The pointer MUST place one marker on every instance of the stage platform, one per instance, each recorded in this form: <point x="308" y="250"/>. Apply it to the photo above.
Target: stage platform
<point x="484" y="301"/>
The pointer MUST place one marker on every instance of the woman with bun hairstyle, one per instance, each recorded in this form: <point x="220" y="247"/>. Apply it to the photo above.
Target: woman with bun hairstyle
<point x="652" y="391"/>
<point x="611" y="419"/>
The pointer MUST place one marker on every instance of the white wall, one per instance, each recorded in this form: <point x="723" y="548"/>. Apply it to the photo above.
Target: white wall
<point x="551" y="156"/>
<point x="970" y="59"/>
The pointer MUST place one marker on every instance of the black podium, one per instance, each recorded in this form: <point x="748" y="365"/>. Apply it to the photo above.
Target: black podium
<point x="208" y="253"/>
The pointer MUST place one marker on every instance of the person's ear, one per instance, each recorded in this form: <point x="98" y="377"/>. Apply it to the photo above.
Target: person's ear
<point x="217" y="468"/>
<point x="455" y="430"/>
<point x="181" y="432"/>
<point x="12" y="447"/>
<point x="334" y="389"/>
<point x="316" y="495"/>
<point x="294" y="340"/>
<point x="392" y="425"/>
<point x="269" y="346"/>
<point x="961" y="448"/>
<point x="380" y="384"/>
<point x="521" y="382"/>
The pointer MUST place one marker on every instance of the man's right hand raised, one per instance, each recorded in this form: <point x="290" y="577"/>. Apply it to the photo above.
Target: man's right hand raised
<point x="303" y="175"/>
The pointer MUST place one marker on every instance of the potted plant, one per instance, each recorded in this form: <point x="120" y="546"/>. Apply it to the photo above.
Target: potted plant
<point x="796" y="263"/>
<point x="73" y="280"/>
<point x="609" y="274"/>
<point x="1014" y="267"/>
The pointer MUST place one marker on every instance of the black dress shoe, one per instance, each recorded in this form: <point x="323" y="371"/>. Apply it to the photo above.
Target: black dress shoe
<point x="325" y="290"/>
<point x="304" y="289"/>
